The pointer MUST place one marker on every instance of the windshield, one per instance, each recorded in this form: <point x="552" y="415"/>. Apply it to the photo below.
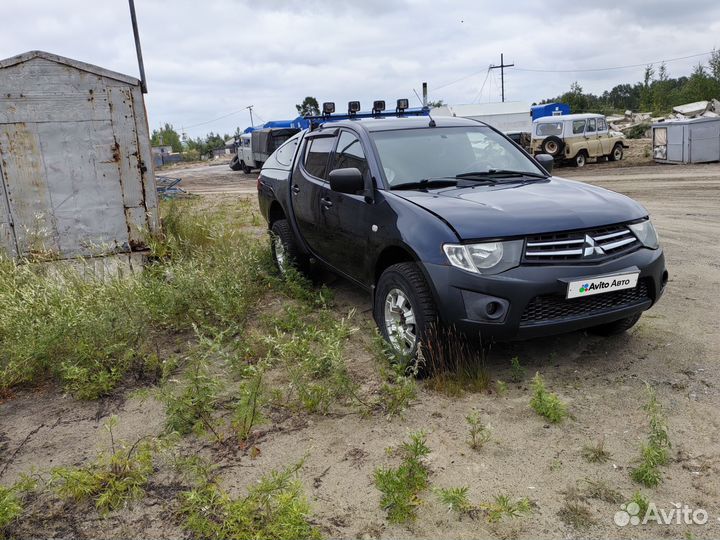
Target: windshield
<point x="411" y="155"/>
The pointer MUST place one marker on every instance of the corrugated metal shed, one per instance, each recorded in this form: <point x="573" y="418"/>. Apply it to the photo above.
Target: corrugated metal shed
<point x="75" y="161"/>
<point x="694" y="140"/>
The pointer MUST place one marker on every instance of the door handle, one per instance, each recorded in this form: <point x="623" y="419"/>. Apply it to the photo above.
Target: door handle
<point x="326" y="202"/>
<point x="295" y="189"/>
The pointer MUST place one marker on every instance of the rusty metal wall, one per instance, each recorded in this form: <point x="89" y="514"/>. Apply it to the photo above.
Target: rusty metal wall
<point x="74" y="161"/>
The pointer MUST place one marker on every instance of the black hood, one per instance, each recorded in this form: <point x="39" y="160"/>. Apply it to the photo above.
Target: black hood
<point x="516" y="209"/>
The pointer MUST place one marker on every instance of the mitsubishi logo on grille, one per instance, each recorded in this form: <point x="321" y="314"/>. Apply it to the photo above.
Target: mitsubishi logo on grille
<point x="591" y="248"/>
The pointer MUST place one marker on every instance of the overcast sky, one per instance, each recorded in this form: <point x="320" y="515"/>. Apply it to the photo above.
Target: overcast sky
<point x="208" y="59"/>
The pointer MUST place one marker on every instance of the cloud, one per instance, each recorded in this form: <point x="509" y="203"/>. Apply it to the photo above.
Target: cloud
<point x="204" y="60"/>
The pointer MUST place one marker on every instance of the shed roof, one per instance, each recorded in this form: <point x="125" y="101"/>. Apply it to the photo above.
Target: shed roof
<point x="483" y="109"/>
<point x="77" y="64"/>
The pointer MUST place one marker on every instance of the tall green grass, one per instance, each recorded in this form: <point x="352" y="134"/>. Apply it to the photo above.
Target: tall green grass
<point x="88" y="333"/>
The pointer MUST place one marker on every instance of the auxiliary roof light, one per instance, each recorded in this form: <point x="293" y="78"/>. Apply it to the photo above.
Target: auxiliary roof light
<point x="328" y="107"/>
<point x="378" y="106"/>
<point x="353" y="107"/>
<point x="402" y="104"/>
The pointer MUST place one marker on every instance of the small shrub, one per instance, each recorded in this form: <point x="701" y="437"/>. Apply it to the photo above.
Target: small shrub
<point x="191" y="409"/>
<point x="479" y="433"/>
<point x="401" y="486"/>
<point x="455" y="498"/>
<point x="596" y="453"/>
<point x="247" y="411"/>
<point x="655" y="453"/>
<point x="546" y="403"/>
<point x="642" y="501"/>
<point x="501" y="388"/>
<point x="11" y="501"/>
<point x="455" y="363"/>
<point x="274" y="508"/>
<point x="600" y="490"/>
<point x="112" y="481"/>
<point x="504" y="507"/>
<point x="517" y="371"/>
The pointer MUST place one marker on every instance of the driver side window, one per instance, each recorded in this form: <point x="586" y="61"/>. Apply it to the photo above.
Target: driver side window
<point x="349" y="153"/>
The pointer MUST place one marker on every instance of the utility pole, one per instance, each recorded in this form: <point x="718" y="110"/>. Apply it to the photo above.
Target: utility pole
<point x="502" y="67"/>
<point x="249" y="107"/>
<point x="138" y="50"/>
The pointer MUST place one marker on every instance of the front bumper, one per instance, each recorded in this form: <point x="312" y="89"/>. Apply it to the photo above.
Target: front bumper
<point x="462" y="296"/>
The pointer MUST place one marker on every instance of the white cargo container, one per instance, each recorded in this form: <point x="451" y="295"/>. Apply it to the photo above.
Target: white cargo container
<point x="75" y="160"/>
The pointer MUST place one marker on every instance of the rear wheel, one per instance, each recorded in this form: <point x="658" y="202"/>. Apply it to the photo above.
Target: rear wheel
<point x="284" y="247"/>
<point x="404" y="307"/>
<point x="581" y="159"/>
<point x="616" y="327"/>
<point x="617" y="153"/>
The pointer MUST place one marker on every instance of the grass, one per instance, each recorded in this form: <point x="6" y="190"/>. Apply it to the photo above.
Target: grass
<point x="274" y="508"/>
<point x="89" y="333"/>
<point x="479" y="433"/>
<point x="545" y="403"/>
<point x="113" y="480"/>
<point x="596" y="453"/>
<point x="642" y="501"/>
<point x="455" y="363"/>
<point x="247" y="411"/>
<point x="401" y="486"/>
<point x="503" y="506"/>
<point x="577" y="514"/>
<point x="600" y="490"/>
<point x="455" y="498"/>
<point x="655" y="452"/>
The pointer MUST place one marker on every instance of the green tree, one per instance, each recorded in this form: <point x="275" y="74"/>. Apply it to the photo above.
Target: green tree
<point x="436" y="104"/>
<point x="166" y="135"/>
<point x="661" y="91"/>
<point x="309" y="107"/>
<point x="714" y="65"/>
<point x="700" y="86"/>
<point x="645" y="91"/>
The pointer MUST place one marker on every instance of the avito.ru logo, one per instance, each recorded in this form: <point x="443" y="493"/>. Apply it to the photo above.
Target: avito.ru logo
<point x="680" y="514"/>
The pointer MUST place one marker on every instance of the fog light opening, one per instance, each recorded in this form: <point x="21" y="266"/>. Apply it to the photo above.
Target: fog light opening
<point x="492" y="308"/>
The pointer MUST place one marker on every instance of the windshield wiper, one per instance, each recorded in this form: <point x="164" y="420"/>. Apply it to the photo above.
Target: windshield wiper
<point x="499" y="173"/>
<point x="427" y="183"/>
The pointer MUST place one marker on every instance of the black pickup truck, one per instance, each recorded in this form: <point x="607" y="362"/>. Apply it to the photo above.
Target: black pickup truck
<point x="447" y="220"/>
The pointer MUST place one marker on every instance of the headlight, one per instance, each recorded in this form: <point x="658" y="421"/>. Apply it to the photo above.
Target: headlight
<point x="645" y="232"/>
<point x="485" y="258"/>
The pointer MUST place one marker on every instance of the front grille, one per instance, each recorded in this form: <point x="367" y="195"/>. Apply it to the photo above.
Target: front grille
<point x="593" y="245"/>
<point x="556" y="307"/>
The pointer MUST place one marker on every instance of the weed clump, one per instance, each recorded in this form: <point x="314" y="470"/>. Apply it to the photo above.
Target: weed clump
<point x="11" y="501"/>
<point x="654" y="453"/>
<point x="546" y="403"/>
<point x="402" y="486"/>
<point x="273" y="508"/>
<point x="115" y="479"/>
<point x="596" y="453"/>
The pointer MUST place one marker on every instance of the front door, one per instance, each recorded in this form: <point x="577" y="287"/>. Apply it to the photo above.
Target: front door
<point x="309" y="191"/>
<point x="591" y="136"/>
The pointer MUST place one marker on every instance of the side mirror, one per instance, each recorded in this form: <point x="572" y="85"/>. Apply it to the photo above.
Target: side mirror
<point x="349" y="180"/>
<point x="547" y="162"/>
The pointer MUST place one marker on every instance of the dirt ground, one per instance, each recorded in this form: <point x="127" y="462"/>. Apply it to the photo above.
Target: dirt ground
<point x="675" y="347"/>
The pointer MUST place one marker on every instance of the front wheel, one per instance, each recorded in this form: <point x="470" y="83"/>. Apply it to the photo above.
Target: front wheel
<point x="404" y="307"/>
<point x="617" y="153"/>
<point x="580" y="159"/>
<point x="616" y="327"/>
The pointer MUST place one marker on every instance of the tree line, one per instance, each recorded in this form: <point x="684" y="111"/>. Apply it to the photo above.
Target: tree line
<point x="657" y="92"/>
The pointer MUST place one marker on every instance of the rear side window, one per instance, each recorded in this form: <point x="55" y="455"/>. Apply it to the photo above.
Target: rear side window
<point x="546" y="129"/>
<point x="349" y="153"/>
<point x="285" y="153"/>
<point x="317" y="152"/>
<point x="578" y="127"/>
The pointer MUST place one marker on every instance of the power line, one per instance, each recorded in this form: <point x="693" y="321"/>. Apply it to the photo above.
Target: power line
<point x="584" y="70"/>
<point x="478" y="97"/>
<point x="216" y="119"/>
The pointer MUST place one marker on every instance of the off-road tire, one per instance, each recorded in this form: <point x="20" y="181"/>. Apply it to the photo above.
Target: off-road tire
<point x="235" y="164"/>
<point x="580" y="160"/>
<point x="553" y="143"/>
<point x="280" y="230"/>
<point x="616" y="327"/>
<point x="246" y="169"/>
<point x="408" y="278"/>
<point x="617" y="153"/>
